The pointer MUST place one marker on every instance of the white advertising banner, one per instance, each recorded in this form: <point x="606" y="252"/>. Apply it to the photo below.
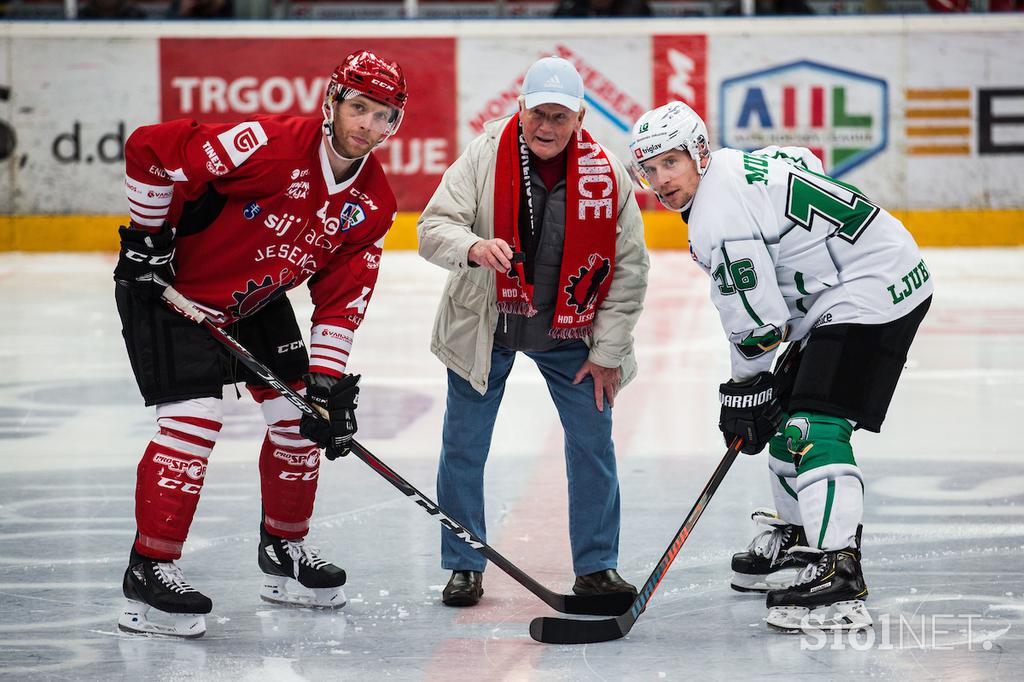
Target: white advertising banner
<point x="919" y="115"/>
<point x="831" y="94"/>
<point x="72" y="103"/>
<point x="615" y="71"/>
<point x="962" y="123"/>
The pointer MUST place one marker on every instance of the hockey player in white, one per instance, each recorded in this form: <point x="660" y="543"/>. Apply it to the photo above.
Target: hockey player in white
<point x="795" y="256"/>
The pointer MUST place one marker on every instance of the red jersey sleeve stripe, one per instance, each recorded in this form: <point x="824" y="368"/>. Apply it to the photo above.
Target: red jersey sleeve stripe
<point x="148" y="195"/>
<point x="326" y="367"/>
<point x="328" y="352"/>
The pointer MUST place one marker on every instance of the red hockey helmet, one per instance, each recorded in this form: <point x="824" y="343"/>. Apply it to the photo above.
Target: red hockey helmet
<point x="364" y="73"/>
<point x="372" y="76"/>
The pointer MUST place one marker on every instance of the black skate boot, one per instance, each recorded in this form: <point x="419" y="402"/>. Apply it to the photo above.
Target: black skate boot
<point x="828" y="594"/>
<point x="150" y="584"/>
<point x="767" y="565"/>
<point x="284" y="561"/>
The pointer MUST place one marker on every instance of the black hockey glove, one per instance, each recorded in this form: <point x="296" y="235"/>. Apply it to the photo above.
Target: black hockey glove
<point x="146" y="262"/>
<point x="749" y="410"/>
<point x="339" y="398"/>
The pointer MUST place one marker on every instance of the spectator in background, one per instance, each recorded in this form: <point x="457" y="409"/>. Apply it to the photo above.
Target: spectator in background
<point x="772" y="7"/>
<point x="201" y="9"/>
<point x="949" y="5"/>
<point x="111" y="9"/>
<point x="603" y="8"/>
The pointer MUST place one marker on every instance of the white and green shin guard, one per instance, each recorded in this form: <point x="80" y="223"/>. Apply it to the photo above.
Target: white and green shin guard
<point x="829" y="485"/>
<point x="782" y="473"/>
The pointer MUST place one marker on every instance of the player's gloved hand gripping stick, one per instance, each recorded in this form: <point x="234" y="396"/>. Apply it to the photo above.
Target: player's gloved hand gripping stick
<point x="599" y="605"/>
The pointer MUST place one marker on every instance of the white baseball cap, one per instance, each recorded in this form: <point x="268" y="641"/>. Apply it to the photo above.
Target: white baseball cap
<point x="553" y="80"/>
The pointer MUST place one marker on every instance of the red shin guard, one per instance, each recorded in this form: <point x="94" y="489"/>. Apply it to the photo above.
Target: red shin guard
<point x="289" y="469"/>
<point x="166" y="494"/>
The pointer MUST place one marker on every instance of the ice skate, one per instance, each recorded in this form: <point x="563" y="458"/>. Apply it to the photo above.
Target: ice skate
<point x="295" y="575"/>
<point x="767" y="564"/>
<point x="160" y="601"/>
<point x="828" y="594"/>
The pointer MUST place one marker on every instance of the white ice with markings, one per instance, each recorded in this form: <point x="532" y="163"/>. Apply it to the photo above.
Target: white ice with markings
<point x="943" y="528"/>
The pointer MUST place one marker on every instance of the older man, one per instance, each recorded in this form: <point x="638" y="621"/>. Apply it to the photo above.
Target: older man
<point x="543" y="236"/>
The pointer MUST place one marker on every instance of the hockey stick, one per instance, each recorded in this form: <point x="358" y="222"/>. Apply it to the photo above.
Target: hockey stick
<point x="600" y="605"/>
<point x="569" y="631"/>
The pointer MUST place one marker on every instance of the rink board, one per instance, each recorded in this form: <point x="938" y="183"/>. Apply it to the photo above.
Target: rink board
<point x="923" y="114"/>
<point x="663" y="230"/>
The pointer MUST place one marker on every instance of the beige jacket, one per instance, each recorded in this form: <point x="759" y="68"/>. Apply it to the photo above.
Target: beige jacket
<point x="461" y="212"/>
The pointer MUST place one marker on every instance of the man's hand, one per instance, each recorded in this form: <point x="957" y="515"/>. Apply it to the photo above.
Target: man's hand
<point x="750" y="410"/>
<point x="606" y="382"/>
<point x="337" y="398"/>
<point x="494" y="254"/>
<point x="145" y="263"/>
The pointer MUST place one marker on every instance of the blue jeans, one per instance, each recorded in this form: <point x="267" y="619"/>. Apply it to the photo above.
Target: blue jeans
<point x="589" y="455"/>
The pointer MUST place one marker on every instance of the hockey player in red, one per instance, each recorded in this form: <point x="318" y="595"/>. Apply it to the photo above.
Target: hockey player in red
<point x="234" y="215"/>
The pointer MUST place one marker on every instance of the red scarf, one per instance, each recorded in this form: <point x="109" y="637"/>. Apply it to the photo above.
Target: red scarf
<point x="591" y="212"/>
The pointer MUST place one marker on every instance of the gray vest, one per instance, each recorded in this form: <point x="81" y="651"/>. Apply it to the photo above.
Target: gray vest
<point x="521" y="333"/>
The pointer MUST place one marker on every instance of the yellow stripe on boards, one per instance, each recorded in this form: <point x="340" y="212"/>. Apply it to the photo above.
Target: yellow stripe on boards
<point x="939" y="113"/>
<point x="939" y="150"/>
<point x="938" y="94"/>
<point x="929" y="131"/>
<point x="663" y="230"/>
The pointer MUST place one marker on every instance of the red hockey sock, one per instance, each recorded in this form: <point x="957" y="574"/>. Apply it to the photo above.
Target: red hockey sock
<point x="170" y="478"/>
<point x="289" y="474"/>
<point x="289" y="468"/>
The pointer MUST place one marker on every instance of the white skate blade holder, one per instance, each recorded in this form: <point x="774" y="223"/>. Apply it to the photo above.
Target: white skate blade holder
<point x="288" y="591"/>
<point x="135" y="619"/>
<point x="844" y="615"/>
<point x="777" y="580"/>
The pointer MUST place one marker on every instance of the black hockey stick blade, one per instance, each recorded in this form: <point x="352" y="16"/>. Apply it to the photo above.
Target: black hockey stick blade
<point x="566" y="631"/>
<point x="594" y="605"/>
<point x="570" y="631"/>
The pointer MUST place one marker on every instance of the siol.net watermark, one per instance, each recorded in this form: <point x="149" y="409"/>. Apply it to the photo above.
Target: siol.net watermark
<point x="936" y="631"/>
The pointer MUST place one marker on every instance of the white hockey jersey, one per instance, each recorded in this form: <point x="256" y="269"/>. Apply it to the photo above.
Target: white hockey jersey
<point x="789" y="249"/>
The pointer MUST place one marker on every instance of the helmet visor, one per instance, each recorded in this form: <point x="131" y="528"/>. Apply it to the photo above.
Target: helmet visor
<point x="640" y="173"/>
<point x="380" y="118"/>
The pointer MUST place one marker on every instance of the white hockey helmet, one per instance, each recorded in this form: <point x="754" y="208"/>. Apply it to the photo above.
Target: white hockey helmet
<point x="671" y="126"/>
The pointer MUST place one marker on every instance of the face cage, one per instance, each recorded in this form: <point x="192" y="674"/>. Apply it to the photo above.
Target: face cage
<point x="336" y="92"/>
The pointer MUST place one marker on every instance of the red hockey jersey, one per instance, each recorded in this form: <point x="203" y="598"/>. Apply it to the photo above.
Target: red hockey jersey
<point x="258" y="212"/>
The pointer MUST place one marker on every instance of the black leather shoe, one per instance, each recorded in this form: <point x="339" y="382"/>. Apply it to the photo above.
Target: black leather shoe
<point x="463" y="589"/>
<point x="601" y="582"/>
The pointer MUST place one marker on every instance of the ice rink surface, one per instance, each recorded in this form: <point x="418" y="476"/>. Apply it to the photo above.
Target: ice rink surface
<point x="944" y="508"/>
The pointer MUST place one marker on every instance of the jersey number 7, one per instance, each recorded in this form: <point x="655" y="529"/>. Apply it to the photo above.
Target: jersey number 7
<point x="850" y="217"/>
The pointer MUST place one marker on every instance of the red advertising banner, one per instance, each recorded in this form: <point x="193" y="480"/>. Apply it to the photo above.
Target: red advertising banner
<point x="229" y="79"/>
<point x="680" y="71"/>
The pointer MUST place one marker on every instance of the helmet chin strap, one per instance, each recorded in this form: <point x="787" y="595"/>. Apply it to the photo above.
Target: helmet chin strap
<point x="329" y="138"/>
